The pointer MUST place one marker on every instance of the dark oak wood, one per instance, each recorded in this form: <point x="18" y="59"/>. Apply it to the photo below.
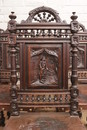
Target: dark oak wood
<point x="74" y="76"/>
<point x="5" y="101"/>
<point x="12" y="42"/>
<point x="44" y="120"/>
<point x="5" y="55"/>
<point x="43" y="64"/>
<point x="44" y="39"/>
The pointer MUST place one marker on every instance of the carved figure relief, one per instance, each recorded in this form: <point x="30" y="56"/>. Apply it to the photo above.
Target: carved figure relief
<point x="43" y="70"/>
<point x="45" y="66"/>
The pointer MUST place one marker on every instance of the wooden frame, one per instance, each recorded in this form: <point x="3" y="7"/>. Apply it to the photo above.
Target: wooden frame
<point x="24" y="37"/>
<point x="42" y="34"/>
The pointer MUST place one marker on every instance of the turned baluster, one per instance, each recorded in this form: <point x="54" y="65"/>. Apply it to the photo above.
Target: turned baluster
<point x="12" y="44"/>
<point x="74" y="77"/>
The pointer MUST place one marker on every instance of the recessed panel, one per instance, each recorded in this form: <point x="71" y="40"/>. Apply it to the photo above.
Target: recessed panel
<point x="44" y="67"/>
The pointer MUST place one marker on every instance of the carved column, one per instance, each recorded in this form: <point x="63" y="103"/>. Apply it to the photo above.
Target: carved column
<point x="12" y="44"/>
<point x="74" y="77"/>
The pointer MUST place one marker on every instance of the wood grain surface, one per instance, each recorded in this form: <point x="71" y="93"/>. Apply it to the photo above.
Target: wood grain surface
<point x="44" y="121"/>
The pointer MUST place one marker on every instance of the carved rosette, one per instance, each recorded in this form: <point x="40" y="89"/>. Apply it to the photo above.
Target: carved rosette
<point x="12" y="44"/>
<point x="74" y="77"/>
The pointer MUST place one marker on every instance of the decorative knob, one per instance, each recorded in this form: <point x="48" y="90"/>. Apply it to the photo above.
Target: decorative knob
<point x="12" y="15"/>
<point x="44" y="98"/>
<point x="27" y="98"/>
<point x="49" y="98"/>
<point x="74" y="16"/>
<point x="32" y="98"/>
<point x="21" y="98"/>
<point x="38" y="98"/>
<point x="55" y="98"/>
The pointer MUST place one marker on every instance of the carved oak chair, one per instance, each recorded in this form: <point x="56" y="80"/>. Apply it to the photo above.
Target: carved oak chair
<point x="44" y="41"/>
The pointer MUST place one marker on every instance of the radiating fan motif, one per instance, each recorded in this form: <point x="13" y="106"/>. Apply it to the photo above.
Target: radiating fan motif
<point x="44" y="17"/>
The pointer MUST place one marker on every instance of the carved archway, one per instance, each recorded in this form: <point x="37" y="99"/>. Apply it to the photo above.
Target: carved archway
<point x="42" y="15"/>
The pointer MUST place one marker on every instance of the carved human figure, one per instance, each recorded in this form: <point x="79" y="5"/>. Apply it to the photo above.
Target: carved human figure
<point x="46" y="75"/>
<point x="46" y="67"/>
<point x="43" y="69"/>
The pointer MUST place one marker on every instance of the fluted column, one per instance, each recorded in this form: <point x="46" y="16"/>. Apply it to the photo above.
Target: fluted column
<point x="12" y="44"/>
<point x="74" y="77"/>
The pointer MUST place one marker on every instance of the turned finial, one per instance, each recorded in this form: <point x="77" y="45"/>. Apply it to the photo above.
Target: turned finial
<point x="74" y="16"/>
<point x="12" y="15"/>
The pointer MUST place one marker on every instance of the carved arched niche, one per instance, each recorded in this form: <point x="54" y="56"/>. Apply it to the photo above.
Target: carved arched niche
<point x="43" y="15"/>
